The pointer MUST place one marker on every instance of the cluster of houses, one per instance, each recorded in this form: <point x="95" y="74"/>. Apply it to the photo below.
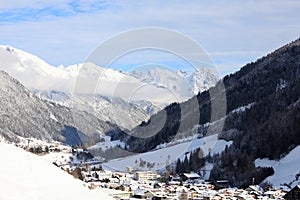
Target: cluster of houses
<point x="151" y="185"/>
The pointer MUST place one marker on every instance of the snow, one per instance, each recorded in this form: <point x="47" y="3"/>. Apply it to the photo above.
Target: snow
<point x="165" y="156"/>
<point x="282" y="84"/>
<point x="53" y="117"/>
<point x="285" y="169"/>
<point x="165" y="78"/>
<point x="205" y="171"/>
<point x="191" y="175"/>
<point x="108" y="144"/>
<point x="180" y="82"/>
<point x="265" y="162"/>
<point x="26" y="176"/>
<point x="32" y="71"/>
<point x="243" y="108"/>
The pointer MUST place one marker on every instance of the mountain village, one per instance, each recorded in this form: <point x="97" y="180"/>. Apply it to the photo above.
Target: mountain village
<point x="141" y="184"/>
<point x="153" y="100"/>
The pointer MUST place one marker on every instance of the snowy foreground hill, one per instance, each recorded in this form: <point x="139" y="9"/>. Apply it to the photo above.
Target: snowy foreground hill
<point x="27" y="176"/>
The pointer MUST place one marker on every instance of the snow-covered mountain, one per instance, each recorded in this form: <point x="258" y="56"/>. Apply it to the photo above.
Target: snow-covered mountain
<point x="167" y="79"/>
<point x="181" y="83"/>
<point x="24" y="114"/>
<point x="33" y="72"/>
<point x="157" y="86"/>
<point x="27" y="176"/>
<point x="201" y="79"/>
<point x="57" y="84"/>
<point x="114" y="110"/>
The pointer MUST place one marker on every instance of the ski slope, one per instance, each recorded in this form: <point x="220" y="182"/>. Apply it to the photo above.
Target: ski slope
<point x="165" y="156"/>
<point x="285" y="169"/>
<point x="26" y="176"/>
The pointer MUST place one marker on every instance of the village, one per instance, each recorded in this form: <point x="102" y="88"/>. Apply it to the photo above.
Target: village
<point x="135" y="184"/>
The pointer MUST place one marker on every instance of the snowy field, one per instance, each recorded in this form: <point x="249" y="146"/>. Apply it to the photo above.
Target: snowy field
<point x="285" y="169"/>
<point x="28" y="177"/>
<point x="166" y="156"/>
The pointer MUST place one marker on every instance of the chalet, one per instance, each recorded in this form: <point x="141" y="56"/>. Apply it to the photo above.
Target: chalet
<point x="190" y="176"/>
<point x="293" y="194"/>
<point x="157" y="194"/>
<point x="141" y="194"/>
<point x="145" y="175"/>
<point x="255" y="189"/>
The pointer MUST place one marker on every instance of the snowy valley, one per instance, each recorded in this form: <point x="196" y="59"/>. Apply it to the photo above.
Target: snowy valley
<point x="158" y="124"/>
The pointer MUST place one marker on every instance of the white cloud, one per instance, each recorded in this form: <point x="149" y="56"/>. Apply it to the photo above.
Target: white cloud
<point x="223" y="28"/>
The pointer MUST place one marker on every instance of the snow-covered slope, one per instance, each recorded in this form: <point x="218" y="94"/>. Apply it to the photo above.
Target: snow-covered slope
<point x="180" y="83"/>
<point x="164" y="78"/>
<point x="114" y="110"/>
<point x="202" y="79"/>
<point x="32" y="71"/>
<point x="26" y="176"/>
<point x="24" y="114"/>
<point x="159" y="159"/>
<point x="286" y="169"/>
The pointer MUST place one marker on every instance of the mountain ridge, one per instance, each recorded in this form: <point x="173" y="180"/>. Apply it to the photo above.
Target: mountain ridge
<point x="49" y="82"/>
<point x="24" y="114"/>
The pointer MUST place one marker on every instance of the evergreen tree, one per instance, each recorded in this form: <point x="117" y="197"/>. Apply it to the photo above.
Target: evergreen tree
<point x="178" y="166"/>
<point x="186" y="165"/>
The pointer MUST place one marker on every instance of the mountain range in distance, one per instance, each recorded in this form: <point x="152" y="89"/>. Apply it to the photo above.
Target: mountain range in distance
<point x="113" y="94"/>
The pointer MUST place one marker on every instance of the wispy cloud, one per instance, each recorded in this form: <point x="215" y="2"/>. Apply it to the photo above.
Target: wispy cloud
<point x="30" y="14"/>
<point x="40" y="10"/>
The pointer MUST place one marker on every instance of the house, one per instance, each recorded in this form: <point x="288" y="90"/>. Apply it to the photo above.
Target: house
<point x="222" y="184"/>
<point x="255" y="189"/>
<point x="145" y="175"/>
<point x="270" y="194"/>
<point x="190" y="176"/>
<point x="293" y="194"/>
<point x="157" y="194"/>
<point x="141" y="194"/>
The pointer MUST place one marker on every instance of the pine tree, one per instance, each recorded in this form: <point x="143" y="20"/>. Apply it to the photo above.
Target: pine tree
<point x="186" y="166"/>
<point x="178" y="166"/>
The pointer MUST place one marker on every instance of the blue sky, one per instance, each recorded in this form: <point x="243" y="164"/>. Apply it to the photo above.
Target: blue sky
<point x="232" y="32"/>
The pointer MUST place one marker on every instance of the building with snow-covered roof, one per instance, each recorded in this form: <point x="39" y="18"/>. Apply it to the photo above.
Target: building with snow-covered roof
<point x="145" y="175"/>
<point x="190" y="176"/>
<point x="255" y="189"/>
